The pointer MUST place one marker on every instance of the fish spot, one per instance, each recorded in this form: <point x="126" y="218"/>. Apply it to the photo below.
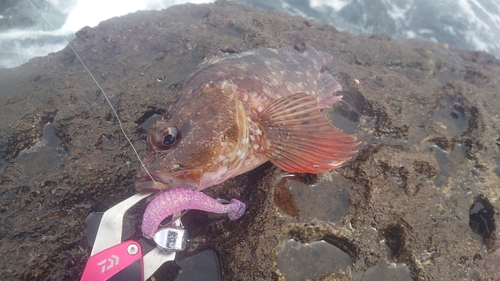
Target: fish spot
<point x="256" y="146"/>
<point x="244" y="96"/>
<point x="269" y="144"/>
<point x="267" y="62"/>
<point x="259" y="109"/>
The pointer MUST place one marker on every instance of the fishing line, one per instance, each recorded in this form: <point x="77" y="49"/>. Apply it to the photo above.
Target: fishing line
<point x="351" y="107"/>
<point x="100" y="88"/>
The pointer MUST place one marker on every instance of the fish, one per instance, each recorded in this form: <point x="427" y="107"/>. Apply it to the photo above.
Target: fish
<point x="236" y="111"/>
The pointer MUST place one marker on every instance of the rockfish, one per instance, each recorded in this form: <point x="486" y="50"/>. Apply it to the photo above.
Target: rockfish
<point x="236" y="111"/>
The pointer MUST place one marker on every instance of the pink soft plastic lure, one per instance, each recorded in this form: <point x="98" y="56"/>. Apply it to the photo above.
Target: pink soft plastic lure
<point x="177" y="200"/>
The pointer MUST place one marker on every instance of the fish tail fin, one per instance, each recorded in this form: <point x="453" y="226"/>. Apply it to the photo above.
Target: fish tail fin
<point x="327" y="85"/>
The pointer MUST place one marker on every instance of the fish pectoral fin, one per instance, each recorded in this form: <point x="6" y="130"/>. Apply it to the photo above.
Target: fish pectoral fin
<point x="297" y="137"/>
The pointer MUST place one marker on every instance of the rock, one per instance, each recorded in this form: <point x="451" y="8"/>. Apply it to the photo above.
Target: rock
<point x="428" y="116"/>
<point x="492" y="265"/>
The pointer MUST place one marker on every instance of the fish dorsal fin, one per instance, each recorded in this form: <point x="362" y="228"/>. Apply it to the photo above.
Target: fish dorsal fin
<point x="297" y="137"/>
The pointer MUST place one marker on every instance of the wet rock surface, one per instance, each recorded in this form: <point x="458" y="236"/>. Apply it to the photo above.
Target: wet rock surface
<point x="420" y="201"/>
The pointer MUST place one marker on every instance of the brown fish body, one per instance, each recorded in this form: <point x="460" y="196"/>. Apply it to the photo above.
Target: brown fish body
<point x="235" y="112"/>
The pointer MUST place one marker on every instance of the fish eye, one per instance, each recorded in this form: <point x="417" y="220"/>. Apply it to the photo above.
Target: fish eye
<point x="165" y="136"/>
<point x="168" y="139"/>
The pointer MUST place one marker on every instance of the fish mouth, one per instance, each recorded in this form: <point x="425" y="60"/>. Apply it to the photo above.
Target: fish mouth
<point x="189" y="178"/>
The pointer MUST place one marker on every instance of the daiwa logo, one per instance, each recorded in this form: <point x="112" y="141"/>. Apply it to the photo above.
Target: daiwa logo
<point x="107" y="264"/>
